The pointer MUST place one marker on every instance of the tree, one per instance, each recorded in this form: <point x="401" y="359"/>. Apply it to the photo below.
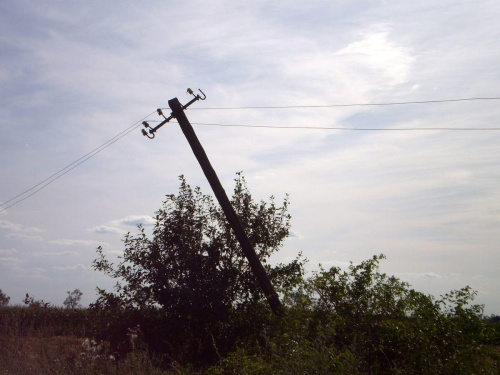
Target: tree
<point x="4" y="299"/>
<point x="193" y="268"/>
<point x="72" y="301"/>
<point x="30" y="301"/>
<point x="383" y="324"/>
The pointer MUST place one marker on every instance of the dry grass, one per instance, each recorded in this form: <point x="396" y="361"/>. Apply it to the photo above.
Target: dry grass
<point x="39" y="355"/>
<point x="67" y="355"/>
<point x="32" y="349"/>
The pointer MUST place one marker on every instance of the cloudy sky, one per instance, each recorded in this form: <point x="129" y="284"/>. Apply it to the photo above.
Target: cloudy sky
<point x="75" y="74"/>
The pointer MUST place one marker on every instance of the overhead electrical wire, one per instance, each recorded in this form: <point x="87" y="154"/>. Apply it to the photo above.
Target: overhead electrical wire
<point x="43" y="184"/>
<point x="342" y="128"/>
<point x="348" y="105"/>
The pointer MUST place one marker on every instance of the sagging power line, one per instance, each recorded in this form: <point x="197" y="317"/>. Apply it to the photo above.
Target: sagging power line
<point x="352" y="104"/>
<point x="342" y="128"/>
<point x="49" y="180"/>
<point x="55" y="176"/>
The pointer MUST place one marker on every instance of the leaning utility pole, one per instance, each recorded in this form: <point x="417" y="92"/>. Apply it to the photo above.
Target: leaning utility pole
<point x="255" y="264"/>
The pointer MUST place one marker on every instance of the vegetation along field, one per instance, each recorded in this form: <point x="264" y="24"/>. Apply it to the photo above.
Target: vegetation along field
<point x="186" y="302"/>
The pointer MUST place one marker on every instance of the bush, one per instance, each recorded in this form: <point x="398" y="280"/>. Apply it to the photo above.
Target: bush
<point x="192" y="293"/>
<point x="192" y="272"/>
<point x="4" y="299"/>
<point x="73" y="299"/>
<point x="361" y="321"/>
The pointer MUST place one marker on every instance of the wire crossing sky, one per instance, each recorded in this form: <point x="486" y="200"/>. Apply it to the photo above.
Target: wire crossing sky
<point x="379" y="119"/>
<point x="338" y="128"/>
<point x="52" y="178"/>
<point x="55" y="176"/>
<point x="356" y="104"/>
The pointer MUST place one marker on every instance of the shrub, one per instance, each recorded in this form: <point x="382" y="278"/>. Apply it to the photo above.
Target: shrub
<point x="192" y="271"/>
<point x="4" y="299"/>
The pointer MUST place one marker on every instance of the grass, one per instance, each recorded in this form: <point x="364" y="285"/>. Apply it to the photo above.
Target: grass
<point x="45" y="341"/>
<point x="64" y="355"/>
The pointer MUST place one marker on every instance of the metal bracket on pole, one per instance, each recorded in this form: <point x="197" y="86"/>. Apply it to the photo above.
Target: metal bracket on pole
<point x="151" y="133"/>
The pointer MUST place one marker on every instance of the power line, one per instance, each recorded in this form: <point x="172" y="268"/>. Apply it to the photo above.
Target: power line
<point x="43" y="184"/>
<point x="341" y="128"/>
<point x="349" y="105"/>
<point x="72" y="166"/>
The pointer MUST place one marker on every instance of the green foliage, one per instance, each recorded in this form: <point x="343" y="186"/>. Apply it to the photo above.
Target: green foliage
<point x="389" y="326"/>
<point x="73" y="299"/>
<point x="193" y="270"/>
<point x="493" y="327"/>
<point x="30" y="301"/>
<point x="4" y="299"/>
<point x="393" y="330"/>
<point x="192" y="292"/>
<point x="361" y="321"/>
<point x="52" y="321"/>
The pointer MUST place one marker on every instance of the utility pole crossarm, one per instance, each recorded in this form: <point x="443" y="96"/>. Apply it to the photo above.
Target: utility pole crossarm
<point x="255" y="264"/>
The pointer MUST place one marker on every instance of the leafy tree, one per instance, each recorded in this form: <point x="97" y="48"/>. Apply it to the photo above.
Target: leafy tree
<point x="193" y="268"/>
<point x="494" y="319"/>
<point x="383" y="324"/>
<point x="493" y="324"/>
<point x="4" y="299"/>
<point x="30" y="301"/>
<point x="362" y="321"/>
<point x="73" y="299"/>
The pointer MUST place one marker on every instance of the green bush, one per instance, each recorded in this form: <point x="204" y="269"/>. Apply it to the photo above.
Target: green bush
<point x="361" y="321"/>
<point x="192" y="271"/>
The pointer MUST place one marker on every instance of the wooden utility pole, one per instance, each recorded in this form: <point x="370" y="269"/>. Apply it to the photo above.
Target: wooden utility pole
<point x="255" y="264"/>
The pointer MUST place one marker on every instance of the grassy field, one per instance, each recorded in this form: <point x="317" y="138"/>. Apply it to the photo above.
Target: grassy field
<point x="57" y="341"/>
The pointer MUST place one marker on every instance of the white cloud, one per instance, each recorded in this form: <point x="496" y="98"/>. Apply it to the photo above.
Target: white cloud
<point x="134" y="220"/>
<point x="376" y="60"/>
<point x="9" y="260"/>
<point x="103" y="229"/>
<point x="14" y="227"/>
<point x="22" y="236"/>
<point x="72" y="267"/>
<point x="7" y="225"/>
<point x="295" y="234"/>
<point x="55" y="253"/>
<point x="335" y="263"/>
<point x="75" y="242"/>
<point x="8" y="251"/>
<point x="32" y="273"/>
<point x="20" y="232"/>
<point x="430" y="275"/>
<point x="115" y="252"/>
